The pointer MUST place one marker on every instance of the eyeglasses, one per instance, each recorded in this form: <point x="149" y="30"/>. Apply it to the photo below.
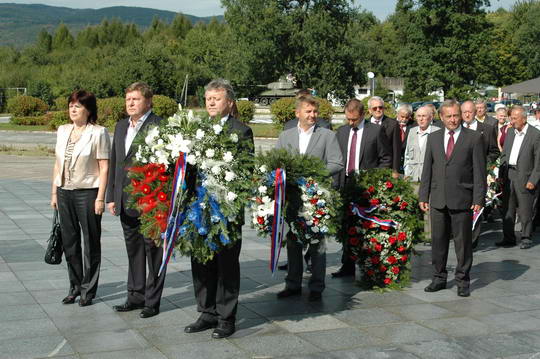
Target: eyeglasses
<point x="374" y="108"/>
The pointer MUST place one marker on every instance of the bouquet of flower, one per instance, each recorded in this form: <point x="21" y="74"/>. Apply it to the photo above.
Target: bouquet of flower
<point x="494" y="185"/>
<point x="215" y="176"/>
<point x="382" y="225"/>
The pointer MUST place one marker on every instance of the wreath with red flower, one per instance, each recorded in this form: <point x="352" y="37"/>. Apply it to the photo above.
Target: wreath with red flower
<point x="382" y="224"/>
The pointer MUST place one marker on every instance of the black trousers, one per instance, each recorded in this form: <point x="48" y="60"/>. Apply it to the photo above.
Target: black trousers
<point x="446" y="223"/>
<point x="217" y="284"/>
<point x="77" y="213"/>
<point x="142" y="290"/>
<point x="520" y="200"/>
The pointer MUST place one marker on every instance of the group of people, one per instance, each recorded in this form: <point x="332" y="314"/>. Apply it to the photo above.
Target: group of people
<point x="448" y="157"/>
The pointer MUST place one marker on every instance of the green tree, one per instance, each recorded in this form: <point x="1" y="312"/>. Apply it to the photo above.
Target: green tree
<point x="62" y="38"/>
<point x="44" y="41"/>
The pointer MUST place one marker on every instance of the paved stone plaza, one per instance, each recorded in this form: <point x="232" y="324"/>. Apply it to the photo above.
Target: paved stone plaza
<point x="501" y="319"/>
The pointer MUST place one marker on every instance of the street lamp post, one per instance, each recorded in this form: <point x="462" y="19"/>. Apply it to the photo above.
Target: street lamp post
<point x="371" y="79"/>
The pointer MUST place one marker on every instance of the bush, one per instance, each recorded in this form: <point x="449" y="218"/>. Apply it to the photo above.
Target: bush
<point x="111" y="110"/>
<point x="164" y="106"/>
<point x="246" y="110"/>
<point x="57" y="119"/>
<point x="61" y="103"/>
<point x="283" y="110"/>
<point x="29" y="120"/>
<point x="24" y="106"/>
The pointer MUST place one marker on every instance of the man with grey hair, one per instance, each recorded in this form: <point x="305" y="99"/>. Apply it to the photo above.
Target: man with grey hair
<point x="390" y="129"/>
<point x="217" y="282"/>
<point x="481" y="113"/>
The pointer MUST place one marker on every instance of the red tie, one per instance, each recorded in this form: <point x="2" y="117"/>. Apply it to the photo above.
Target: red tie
<point x="503" y="135"/>
<point x="402" y="127"/>
<point x="351" y="165"/>
<point x="450" y="146"/>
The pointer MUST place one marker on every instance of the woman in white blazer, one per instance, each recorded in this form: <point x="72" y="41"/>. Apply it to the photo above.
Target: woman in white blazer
<point x="78" y="192"/>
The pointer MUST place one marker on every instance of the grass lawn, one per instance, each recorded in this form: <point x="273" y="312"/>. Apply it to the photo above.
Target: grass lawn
<point x="40" y="150"/>
<point x="264" y="130"/>
<point x="10" y="127"/>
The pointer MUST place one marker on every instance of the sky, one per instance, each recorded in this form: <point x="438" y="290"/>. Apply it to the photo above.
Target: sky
<point x="381" y="8"/>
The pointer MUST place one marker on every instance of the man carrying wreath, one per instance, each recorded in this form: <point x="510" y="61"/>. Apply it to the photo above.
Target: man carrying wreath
<point x="310" y="139"/>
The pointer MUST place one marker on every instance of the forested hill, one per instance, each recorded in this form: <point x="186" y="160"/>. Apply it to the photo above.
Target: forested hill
<point x="20" y="23"/>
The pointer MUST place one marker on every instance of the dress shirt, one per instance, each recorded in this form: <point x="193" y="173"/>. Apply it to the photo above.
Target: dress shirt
<point x="375" y="121"/>
<point x="473" y="125"/>
<point x="358" y="141"/>
<point x="223" y="120"/>
<point x="422" y="137"/>
<point x="303" y="138"/>
<point x="516" y="146"/>
<point x="133" y="128"/>
<point x="447" y="136"/>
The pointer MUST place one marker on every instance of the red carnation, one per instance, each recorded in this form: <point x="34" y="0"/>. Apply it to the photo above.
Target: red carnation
<point x="161" y="168"/>
<point x="314" y="200"/>
<point x="375" y="260"/>
<point x="385" y="228"/>
<point x="404" y="258"/>
<point x="395" y="270"/>
<point x="382" y="268"/>
<point x="148" y="173"/>
<point x="162" y="196"/>
<point x="146" y="189"/>
<point x="403" y="205"/>
<point x="260" y="220"/>
<point x="392" y="260"/>
<point x="378" y="247"/>
<point x="353" y="241"/>
<point x="371" y="189"/>
<point x="374" y="202"/>
<point x="316" y="221"/>
<point x="401" y="236"/>
<point x="389" y="185"/>
<point x="387" y="281"/>
<point x="392" y="239"/>
<point x="135" y="183"/>
<point x="374" y="240"/>
<point x="163" y="178"/>
<point x="397" y="199"/>
<point x="370" y="272"/>
<point x="367" y="224"/>
<point x="352" y="231"/>
<point x="401" y="249"/>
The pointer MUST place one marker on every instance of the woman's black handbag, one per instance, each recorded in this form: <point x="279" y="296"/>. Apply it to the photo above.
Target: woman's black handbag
<point x="53" y="255"/>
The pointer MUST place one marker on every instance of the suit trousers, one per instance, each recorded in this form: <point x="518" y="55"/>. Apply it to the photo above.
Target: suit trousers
<point x="142" y="290"/>
<point x="446" y="223"/>
<point x="217" y="284"/>
<point x="516" y="200"/>
<point x="77" y="212"/>
<point x="295" y="268"/>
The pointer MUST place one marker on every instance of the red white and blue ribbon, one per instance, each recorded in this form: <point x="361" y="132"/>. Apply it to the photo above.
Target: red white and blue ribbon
<point x="364" y="213"/>
<point x="170" y="235"/>
<point x="278" y="224"/>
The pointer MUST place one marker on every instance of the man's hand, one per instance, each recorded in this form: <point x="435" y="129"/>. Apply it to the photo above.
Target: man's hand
<point x="530" y="186"/>
<point x="112" y="208"/>
<point x="476" y="207"/>
<point x="424" y="206"/>
<point x="395" y="175"/>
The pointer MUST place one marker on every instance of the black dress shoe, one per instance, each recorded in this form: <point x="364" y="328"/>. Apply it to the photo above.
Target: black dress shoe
<point x="223" y="330"/>
<point x="525" y="244"/>
<point x="70" y="299"/>
<point x="199" y="326"/>
<point x="289" y="293"/>
<point x="505" y="243"/>
<point x="85" y="302"/>
<point x="149" y="312"/>
<point x="463" y="291"/>
<point x="435" y="287"/>
<point x="342" y="272"/>
<point x="315" y="296"/>
<point x="283" y="266"/>
<point x="127" y="307"/>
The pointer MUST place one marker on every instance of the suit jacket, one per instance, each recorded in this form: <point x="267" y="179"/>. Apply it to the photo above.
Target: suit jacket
<point x="120" y="162"/>
<point x="321" y="122"/>
<point x="93" y="145"/>
<point x="374" y="149"/>
<point x="393" y="136"/>
<point x="414" y="155"/>
<point x="322" y="144"/>
<point x="489" y="136"/>
<point x="489" y="120"/>
<point x="528" y="163"/>
<point x="459" y="182"/>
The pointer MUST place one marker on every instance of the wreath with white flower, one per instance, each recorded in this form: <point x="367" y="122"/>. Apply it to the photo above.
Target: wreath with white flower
<point x="312" y="206"/>
<point x="216" y="188"/>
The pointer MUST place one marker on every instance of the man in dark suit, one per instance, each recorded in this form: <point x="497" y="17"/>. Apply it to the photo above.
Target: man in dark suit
<point x="481" y="113"/>
<point x="294" y="122"/>
<point x="453" y="185"/>
<point x="390" y="129"/>
<point x="217" y="282"/>
<point x="520" y="171"/>
<point x="491" y="150"/>
<point x="143" y="292"/>
<point x="363" y="146"/>
<point x="405" y="121"/>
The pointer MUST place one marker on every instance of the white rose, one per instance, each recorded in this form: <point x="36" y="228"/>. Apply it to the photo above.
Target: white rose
<point x="228" y="156"/>
<point x="231" y="196"/>
<point x="309" y="223"/>
<point x="304" y="198"/>
<point x="204" y="165"/>
<point x="262" y="169"/>
<point x="216" y="170"/>
<point x="191" y="159"/>
<point x="262" y="189"/>
<point x="210" y="153"/>
<point x="217" y="129"/>
<point x="152" y="134"/>
<point x="199" y="134"/>
<point x="266" y="199"/>
<point x="234" y="137"/>
<point x="198" y="153"/>
<point x="229" y="176"/>
<point x="153" y="159"/>
<point x="319" y="192"/>
<point x="315" y="229"/>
